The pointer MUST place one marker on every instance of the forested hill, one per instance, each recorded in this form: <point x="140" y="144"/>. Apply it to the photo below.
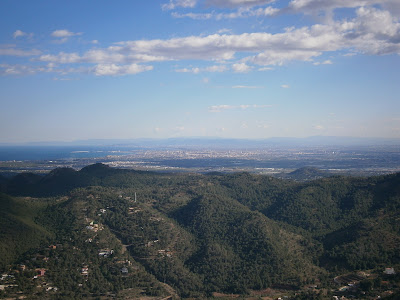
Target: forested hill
<point x="192" y="235"/>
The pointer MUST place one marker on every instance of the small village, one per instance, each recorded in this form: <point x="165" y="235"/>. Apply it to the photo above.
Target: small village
<point x="32" y="276"/>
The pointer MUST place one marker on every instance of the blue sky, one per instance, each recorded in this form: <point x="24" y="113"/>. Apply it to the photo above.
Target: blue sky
<point x="73" y="70"/>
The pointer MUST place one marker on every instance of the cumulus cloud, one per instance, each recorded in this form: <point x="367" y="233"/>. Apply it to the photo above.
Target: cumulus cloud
<point x="248" y="8"/>
<point x="315" y="6"/>
<point x="265" y="69"/>
<point x="110" y="55"/>
<point x="224" y="30"/>
<point x="237" y="3"/>
<point x="16" y="69"/>
<point x="213" y="69"/>
<point x="318" y="5"/>
<point x="118" y="70"/>
<point x="280" y="57"/>
<point x="240" y="13"/>
<point x="325" y="62"/>
<point x="64" y="33"/>
<point x="7" y="69"/>
<point x="224" y="107"/>
<point x="19" y="33"/>
<point x="172" y="4"/>
<point x="392" y="6"/>
<point x="194" y="16"/>
<point x="247" y="87"/>
<point x="372" y="31"/>
<point x="285" y="86"/>
<point x="241" y="68"/>
<point x="98" y="70"/>
<point x="300" y="44"/>
<point x="10" y="50"/>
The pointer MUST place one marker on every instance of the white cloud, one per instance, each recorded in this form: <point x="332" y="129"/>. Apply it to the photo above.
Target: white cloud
<point x="15" y="69"/>
<point x="237" y="3"/>
<point x="372" y="31"/>
<point x="62" y="58"/>
<point x="19" y="33"/>
<point x="219" y="108"/>
<point x="315" y="6"/>
<point x="12" y="51"/>
<point x="211" y="69"/>
<point x="186" y="70"/>
<point x="64" y="33"/>
<point x="224" y="30"/>
<point x="285" y="86"/>
<point x="265" y="69"/>
<point x="6" y="69"/>
<point x="194" y="16"/>
<point x="247" y="87"/>
<point x="318" y="127"/>
<point x="392" y="6"/>
<point x="224" y="107"/>
<point x="325" y="62"/>
<point x="109" y="55"/>
<point x="241" y="68"/>
<point x="268" y="11"/>
<point x="179" y="3"/>
<point x="98" y="70"/>
<point x="350" y="54"/>
<point x="118" y="70"/>
<point x="240" y="13"/>
<point x="276" y="57"/>
<point x="173" y="4"/>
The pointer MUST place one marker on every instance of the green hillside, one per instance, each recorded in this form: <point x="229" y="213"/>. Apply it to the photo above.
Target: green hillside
<point x="196" y="235"/>
<point x="19" y="229"/>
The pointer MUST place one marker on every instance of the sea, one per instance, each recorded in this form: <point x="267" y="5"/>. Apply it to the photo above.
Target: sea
<point x="30" y="153"/>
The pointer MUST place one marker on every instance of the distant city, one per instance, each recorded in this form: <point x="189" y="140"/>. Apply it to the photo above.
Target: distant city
<point x="278" y="157"/>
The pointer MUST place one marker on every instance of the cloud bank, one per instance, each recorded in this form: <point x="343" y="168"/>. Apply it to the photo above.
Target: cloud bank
<point x="373" y="31"/>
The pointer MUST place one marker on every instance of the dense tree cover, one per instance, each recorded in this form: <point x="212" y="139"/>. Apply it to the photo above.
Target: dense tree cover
<point x="19" y="231"/>
<point x="192" y="235"/>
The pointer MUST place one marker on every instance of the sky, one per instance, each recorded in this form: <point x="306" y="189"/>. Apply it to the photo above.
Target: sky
<point x="125" y="69"/>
